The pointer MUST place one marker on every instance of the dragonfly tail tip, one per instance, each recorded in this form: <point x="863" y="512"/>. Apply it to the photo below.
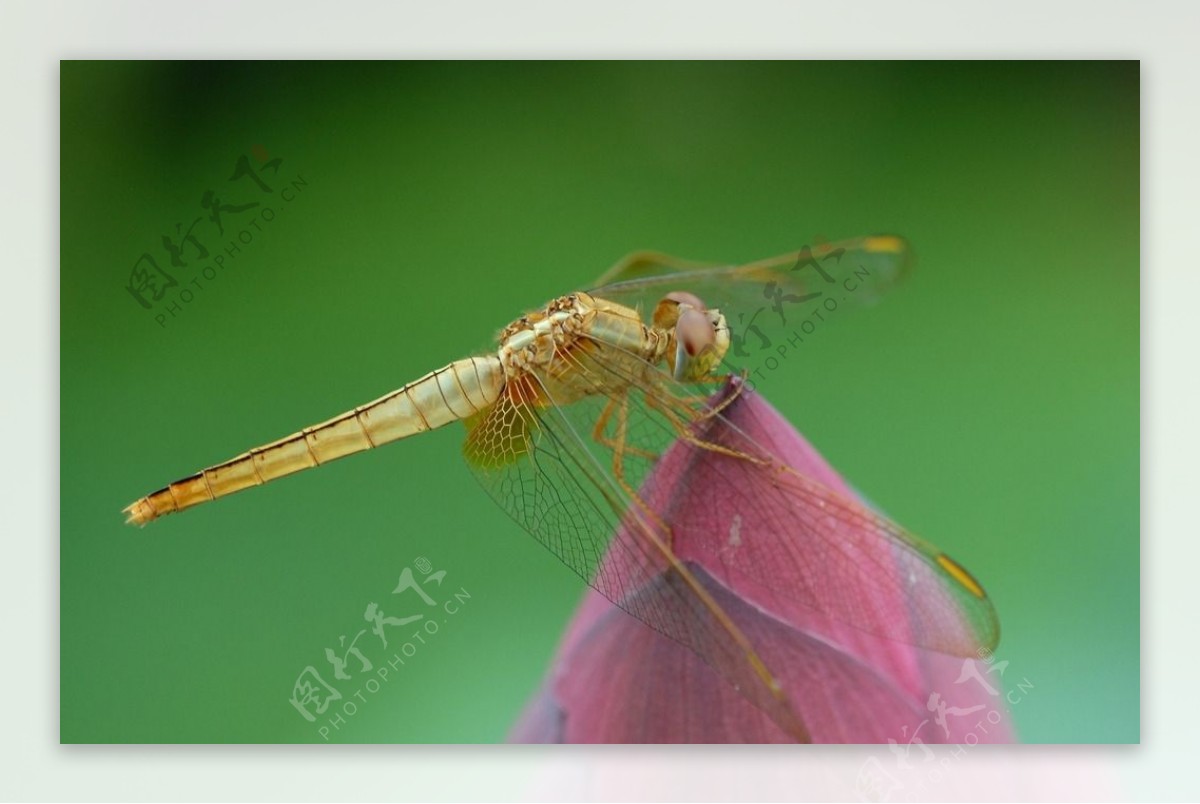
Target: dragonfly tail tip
<point x="138" y="513"/>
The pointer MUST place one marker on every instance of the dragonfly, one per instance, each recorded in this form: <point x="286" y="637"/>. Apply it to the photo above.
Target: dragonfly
<point x="568" y="418"/>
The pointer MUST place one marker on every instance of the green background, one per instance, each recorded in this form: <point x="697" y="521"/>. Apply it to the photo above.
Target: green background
<point x="989" y="404"/>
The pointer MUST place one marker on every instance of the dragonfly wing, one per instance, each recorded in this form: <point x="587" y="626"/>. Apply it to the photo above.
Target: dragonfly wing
<point x="643" y="265"/>
<point x="781" y="539"/>
<point x="851" y="272"/>
<point x="664" y="501"/>
<point x="802" y="548"/>
<point x="534" y="461"/>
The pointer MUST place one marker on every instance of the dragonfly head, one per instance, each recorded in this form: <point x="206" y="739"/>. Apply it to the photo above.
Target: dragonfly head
<point x="698" y="337"/>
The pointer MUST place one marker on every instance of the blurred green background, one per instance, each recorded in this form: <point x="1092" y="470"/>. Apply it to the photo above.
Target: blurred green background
<point x="989" y="404"/>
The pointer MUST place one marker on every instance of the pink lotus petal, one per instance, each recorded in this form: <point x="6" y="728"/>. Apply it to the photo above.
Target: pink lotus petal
<point x="616" y="680"/>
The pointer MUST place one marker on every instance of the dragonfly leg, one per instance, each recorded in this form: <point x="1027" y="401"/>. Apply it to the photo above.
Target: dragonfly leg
<point x="663" y="540"/>
<point x="602" y="424"/>
<point x="685" y="403"/>
<point x="724" y="403"/>
<point x="685" y="432"/>
<point x="789" y="720"/>
<point x="619" y="450"/>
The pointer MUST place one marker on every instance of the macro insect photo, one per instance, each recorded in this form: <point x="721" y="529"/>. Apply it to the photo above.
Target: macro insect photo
<point x="680" y="403"/>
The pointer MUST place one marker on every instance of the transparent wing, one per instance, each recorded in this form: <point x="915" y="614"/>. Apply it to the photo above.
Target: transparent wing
<point x="534" y="460"/>
<point x="850" y="272"/>
<point x="788" y="543"/>
<point x="641" y="485"/>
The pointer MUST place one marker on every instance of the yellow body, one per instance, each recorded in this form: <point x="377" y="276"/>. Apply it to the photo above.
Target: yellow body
<point x="537" y="344"/>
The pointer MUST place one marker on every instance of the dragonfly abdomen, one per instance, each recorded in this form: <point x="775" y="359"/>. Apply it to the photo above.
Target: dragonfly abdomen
<point x="461" y="389"/>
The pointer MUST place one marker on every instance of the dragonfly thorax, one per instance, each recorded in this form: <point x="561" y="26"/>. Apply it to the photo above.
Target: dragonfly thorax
<point x="558" y="343"/>
<point x="533" y="341"/>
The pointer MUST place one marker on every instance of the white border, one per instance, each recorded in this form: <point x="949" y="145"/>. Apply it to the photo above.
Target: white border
<point x="36" y="36"/>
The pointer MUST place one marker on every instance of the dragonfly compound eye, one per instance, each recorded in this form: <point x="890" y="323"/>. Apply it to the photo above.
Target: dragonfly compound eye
<point x="697" y="346"/>
<point x="666" y="313"/>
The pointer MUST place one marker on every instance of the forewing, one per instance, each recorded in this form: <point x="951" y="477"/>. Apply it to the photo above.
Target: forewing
<point x="672" y="484"/>
<point x="851" y="272"/>
<point x="783" y="540"/>
<point x="534" y="461"/>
